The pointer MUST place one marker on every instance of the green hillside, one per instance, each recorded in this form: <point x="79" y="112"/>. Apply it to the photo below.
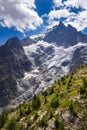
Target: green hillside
<point x="61" y="107"/>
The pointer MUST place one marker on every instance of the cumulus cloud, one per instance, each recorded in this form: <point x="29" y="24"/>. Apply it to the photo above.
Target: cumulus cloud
<point x="78" y="20"/>
<point x="56" y="15"/>
<point x="76" y="3"/>
<point x="57" y="3"/>
<point x="20" y="14"/>
<point x="59" y="14"/>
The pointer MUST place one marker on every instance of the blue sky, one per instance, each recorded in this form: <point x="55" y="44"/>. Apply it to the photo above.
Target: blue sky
<point x="29" y="17"/>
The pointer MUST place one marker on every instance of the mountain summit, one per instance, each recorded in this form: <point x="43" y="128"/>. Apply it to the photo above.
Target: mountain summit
<point x="61" y="35"/>
<point x="66" y="36"/>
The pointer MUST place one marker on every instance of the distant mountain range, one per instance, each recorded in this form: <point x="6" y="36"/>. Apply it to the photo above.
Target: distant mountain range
<point x="32" y="65"/>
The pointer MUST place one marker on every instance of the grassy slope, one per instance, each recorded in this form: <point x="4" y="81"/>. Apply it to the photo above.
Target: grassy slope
<point x="63" y="106"/>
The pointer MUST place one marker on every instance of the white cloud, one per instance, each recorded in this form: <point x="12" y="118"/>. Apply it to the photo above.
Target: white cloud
<point x="55" y="15"/>
<point x="76" y="3"/>
<point x="59" y="14"/>
<point x="44" y="16"/>
<point x="20" y="14"/>
<point x="78" y="20"/>
<point x="57" y="3"/>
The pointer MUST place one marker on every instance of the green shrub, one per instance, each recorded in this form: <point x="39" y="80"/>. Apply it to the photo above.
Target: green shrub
<point x="59" y="82"/>
<point x="69" y="84"/>
<point x="72" y="109"/>
<point x="12" y="125"/>
<point x="43" y="122"/>
<point x="51" y="90"/>
<point x="45" y="93"/>
<point x="54" y="103"/>
<point x="45" y="101"/>
<point x="29" y="123"/>
<point x="36" y="103"/>
<point x="32" y="128"/>
<point x="82" y="90"/>
<point x="3" y="119"/>
<point x="28" y="110"/>
<point x="57" y="124"/>
<point x="51" y="114"/>
<point x="85" y="82"/>
<point x="35" y="116"/>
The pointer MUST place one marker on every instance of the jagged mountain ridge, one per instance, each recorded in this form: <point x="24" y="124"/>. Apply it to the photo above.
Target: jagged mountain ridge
<point x="61" y="35"/>
<point x="66" y="36"/>
<point x="45" y="62"/>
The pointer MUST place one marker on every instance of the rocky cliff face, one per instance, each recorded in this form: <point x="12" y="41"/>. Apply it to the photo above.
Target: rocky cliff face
<point x="79" y="58"/>
<point x="13" y="64"/>
<point x="27" y="41"/>
<point x="65" y="36"/>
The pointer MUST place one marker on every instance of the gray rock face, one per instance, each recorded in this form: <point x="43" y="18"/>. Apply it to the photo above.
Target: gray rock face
<point x="13" y="64"/>
<point x="79" y="58"/>
<point x="27" y="41"/>
<point x="65" y="36"/>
